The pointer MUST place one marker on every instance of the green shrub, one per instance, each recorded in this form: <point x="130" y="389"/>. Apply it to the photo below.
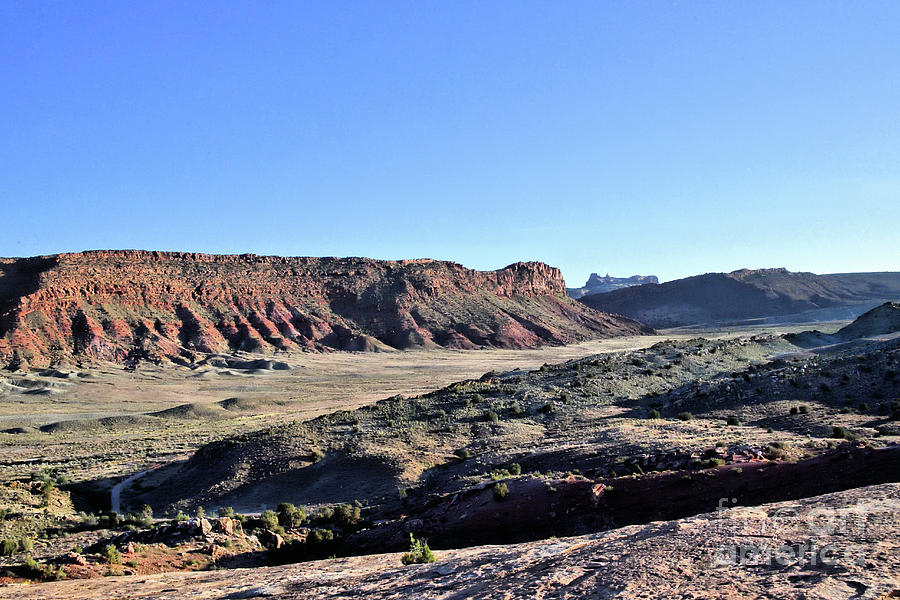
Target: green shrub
<point x="269" y="519"/>
<point x="490" y="416"/>
<point x="515" y="409"/>
<point x="547" y="408"/>
<point x="226" y="511"/>
<point x="794" y="410"/>
<point x="47" y="493"/>
<point x="462" y="453"/>
<point x="653" y="414"/>
<point x="419" y="552"/>
<point x="347" y="515"/>
<point x="515" y="469"/>
<point x="111" y="555"/>
<point x="841" y="433"/>
<point x="804" y="409"/>
<point x="32" y="567"/>
<point x="144" y="518"/>
<point x="8" y="547"/>
<point x="733" y="420"/>
<point x="685" y="416"/>
<point x="320" y="536"/>
<point x="289" y="516"/>
<point x="501" y="491"/>
<point x="26" y="545"/>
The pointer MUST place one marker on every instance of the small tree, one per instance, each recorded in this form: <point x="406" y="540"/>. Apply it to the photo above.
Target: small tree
<point x="419" y="552"/>
<point x="289" y="516"/>
<point x="501" y="491"/>
<point x="145" y="517"/>
<point x="112" y="555"/>
<point x="47" y="492"/>
<point x="269" y="519"/>
<point x="347" y="515"/>
<point x="320" y="536"/>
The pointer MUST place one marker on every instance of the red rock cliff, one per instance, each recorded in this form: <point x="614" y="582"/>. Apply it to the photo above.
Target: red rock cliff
<point x="129" y="305"/>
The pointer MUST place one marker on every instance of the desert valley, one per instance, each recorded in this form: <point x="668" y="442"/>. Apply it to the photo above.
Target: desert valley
<point x="171" y="413"/>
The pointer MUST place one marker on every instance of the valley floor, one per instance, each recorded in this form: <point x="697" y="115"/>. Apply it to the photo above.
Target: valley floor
<point x="112" y="405"/>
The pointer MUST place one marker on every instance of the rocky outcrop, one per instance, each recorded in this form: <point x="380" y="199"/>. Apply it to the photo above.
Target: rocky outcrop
<point x="134" y="305"/>
<point x="881" y="320"/>
<point x="721" y="298"/>
<point x="600" y="285"/>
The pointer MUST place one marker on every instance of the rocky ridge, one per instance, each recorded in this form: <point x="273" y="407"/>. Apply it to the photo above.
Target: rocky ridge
<point x="131" y="305"/>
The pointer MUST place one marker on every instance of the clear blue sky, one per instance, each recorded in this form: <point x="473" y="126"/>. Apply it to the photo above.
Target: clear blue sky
<point x="667" y="138"/>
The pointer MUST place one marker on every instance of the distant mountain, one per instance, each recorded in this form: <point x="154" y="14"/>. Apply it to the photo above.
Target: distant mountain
<point x="598" y="285"/>
<point x="750" y="294"/>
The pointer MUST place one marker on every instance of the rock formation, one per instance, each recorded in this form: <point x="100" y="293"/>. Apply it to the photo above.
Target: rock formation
<point x="130" y="305"/>
<point x="599" y="285"/>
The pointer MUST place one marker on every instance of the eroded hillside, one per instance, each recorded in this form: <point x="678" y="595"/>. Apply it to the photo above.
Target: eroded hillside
<point x="129" y="306"/>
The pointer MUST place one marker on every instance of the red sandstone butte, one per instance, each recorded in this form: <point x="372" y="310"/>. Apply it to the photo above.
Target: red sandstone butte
<point x="131" y="305"/>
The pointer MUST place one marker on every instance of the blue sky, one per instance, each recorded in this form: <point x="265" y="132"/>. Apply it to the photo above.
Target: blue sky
<point x="667" y="138"/>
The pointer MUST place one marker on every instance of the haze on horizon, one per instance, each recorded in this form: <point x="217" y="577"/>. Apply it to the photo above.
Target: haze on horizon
<point x="630" y="139"/>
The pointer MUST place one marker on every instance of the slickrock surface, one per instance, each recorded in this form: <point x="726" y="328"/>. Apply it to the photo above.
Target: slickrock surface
<point x="134" y="305"/>
<point x="847" y="549"/>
